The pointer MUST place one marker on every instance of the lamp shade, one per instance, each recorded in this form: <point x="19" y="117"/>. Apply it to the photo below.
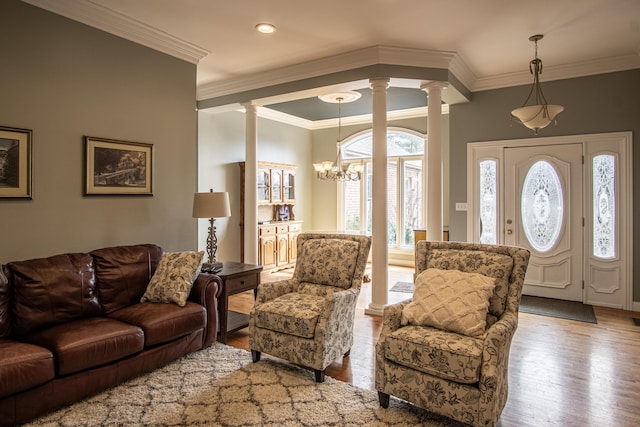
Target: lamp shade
<point x="211" y="205"/>
<point x="537" y="117"/>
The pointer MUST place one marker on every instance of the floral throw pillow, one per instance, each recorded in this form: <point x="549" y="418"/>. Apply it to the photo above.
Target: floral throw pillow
<point x="451" y="300"/>
<point x="174" y="277"/>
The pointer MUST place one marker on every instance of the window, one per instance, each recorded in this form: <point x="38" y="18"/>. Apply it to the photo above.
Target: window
<point x="404" y="186"/>
<point x="488" y="202"/>
<point x="542" y="207"/>
<point x="604" y="206"/>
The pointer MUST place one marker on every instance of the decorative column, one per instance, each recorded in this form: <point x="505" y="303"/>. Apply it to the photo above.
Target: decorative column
<point x="432" y="200"/>
<point x="250" y="188"/>
<point x="379" y="247"/>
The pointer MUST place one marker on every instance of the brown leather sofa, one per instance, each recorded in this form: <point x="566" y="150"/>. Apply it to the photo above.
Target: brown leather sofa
<point x="72" y="325"/>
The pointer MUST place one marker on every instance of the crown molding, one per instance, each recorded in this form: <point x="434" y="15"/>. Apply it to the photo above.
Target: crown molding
<point x="105" y="19"/>
<point x="278" y="116"/>
<point x="373" y="55"/>
<point x="559" y="72"/>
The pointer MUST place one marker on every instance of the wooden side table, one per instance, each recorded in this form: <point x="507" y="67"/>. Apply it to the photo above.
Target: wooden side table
<point x="236" y="277"/>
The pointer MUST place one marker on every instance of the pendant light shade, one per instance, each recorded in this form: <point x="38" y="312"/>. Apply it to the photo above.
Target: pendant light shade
<point x="539" y="115"/>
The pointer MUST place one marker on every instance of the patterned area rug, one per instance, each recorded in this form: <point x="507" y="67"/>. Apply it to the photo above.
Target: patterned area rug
<point x="220" y="386"/>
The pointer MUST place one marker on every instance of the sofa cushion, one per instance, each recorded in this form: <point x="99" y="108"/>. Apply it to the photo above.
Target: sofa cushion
<point x="498" y="266"/>
<point x="88" y="343"/>
<point x="51" y="291"/>
<point x="436" y="352"/>
<point x="5" y="307"/>
<point x="174" y="277"/>
<point x="293" y="314"/>
<point x="23" y="366"/>
<point x="451" y="300"/>
<point x="328" y="262"/>
<point x="123" y="273"/>
<point x="163" y="322"/>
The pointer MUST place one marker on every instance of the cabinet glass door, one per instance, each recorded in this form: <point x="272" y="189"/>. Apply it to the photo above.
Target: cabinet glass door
<point x="289" y="186"/>
<point x="264" y="185"/>
<point x="276" y="186"/>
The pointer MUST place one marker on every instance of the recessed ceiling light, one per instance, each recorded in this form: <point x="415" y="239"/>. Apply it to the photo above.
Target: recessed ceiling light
<point x="266" y="28"/>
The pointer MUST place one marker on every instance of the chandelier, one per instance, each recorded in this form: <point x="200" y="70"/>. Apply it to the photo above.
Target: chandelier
<point x="539" y="115"/>
<point x="339" y="170"/>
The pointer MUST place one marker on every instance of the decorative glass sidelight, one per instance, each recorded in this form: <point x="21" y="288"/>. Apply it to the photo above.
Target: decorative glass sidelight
<point x="604" y="206"/>
<point x="542" y="206"/>
<point x="488" y="202"/>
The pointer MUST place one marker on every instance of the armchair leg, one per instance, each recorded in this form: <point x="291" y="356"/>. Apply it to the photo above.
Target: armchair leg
<point x="319" y="375"/>
<point x="255" y="356"/>
<point x="383" y="398"/>
<point x="347" y="353"/>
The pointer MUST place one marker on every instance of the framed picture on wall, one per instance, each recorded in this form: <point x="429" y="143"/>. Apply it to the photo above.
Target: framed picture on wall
<point x="15" y="162"/>
<point x="117" y="167"/>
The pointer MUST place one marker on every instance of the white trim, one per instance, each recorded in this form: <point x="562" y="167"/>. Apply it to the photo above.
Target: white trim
<point x="105" y="19"/>
<point x="558" y="72"/>
<point x="268" y="113"/>
<point x="372" y="55"/>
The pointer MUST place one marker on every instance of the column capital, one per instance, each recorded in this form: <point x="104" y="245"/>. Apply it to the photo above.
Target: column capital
<point x="433" y="84"/>
<point x="249" y="106"/>
<point x="379" y="82"/>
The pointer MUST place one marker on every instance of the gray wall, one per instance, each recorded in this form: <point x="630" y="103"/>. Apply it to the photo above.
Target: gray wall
<point x="64" y="80"/>
<point x="221" y="145"/>
<point x="594" y="104"/>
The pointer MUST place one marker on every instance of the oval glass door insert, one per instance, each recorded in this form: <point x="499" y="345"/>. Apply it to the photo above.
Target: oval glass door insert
<point x="542" y="206"/>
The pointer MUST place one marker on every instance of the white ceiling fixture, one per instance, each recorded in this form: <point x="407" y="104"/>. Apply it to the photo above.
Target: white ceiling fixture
<point x="266" y="28"/>
<point x="539" y="115"/>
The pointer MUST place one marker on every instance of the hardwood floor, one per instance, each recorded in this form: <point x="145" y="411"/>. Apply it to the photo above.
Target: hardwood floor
<point x="561" y="373"/>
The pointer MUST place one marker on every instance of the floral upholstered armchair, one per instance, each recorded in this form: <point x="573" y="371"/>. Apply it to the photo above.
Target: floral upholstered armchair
<point x="447" y="349"/>
<point x="308" y="319"/>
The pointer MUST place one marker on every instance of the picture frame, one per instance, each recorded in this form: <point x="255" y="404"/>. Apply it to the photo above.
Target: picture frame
<point x="15" y="162"/>
<point x="115" y="167"/>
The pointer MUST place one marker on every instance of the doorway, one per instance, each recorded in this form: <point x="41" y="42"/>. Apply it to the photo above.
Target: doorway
<point x="566" y="199"/>
<point x="543" y="213"/>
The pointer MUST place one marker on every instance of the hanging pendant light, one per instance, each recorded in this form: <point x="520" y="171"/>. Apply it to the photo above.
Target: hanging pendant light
<point x="540" y="114"/>
<point x="339" y="170"/>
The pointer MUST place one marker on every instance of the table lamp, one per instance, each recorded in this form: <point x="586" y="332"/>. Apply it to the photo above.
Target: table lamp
<point x="211" y="205"/>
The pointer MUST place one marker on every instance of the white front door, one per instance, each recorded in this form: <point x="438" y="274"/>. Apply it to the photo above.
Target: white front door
<point x="543" y="212"/>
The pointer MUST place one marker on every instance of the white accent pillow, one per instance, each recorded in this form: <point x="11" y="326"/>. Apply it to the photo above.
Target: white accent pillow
<point x="174" y="277"/>
<point x="451" y="300"/>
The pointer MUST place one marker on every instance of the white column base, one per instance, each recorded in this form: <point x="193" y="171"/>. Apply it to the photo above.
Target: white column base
<point x="374" y="310"/>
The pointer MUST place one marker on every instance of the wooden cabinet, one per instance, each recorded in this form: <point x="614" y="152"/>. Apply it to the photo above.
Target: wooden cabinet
<point x="277" y="229"/>
<point x="278" y="245"/>
<point x="267" y="246"/>
<point x="276" y="183"/>
<point x="294" y="231"/>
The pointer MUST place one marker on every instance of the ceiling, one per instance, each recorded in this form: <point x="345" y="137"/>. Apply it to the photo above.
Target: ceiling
<point x="484" y="43"/>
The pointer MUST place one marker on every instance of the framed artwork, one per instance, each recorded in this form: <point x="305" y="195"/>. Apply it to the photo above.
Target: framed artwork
<point x="15" y="162"/>
<point x="117" y="167"/>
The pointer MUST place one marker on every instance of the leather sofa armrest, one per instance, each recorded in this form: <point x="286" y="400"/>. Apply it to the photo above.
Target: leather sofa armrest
<point x="205" y="291"/>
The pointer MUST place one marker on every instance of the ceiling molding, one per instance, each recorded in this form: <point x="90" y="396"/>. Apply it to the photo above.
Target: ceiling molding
<point x="373" y="55"/>
<point x="281" y="117"/>
<point x="105" y="19"/>
<point x="559" y="72"/>
<point x="278" y="116"/>
<point x="95" y="15"/>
